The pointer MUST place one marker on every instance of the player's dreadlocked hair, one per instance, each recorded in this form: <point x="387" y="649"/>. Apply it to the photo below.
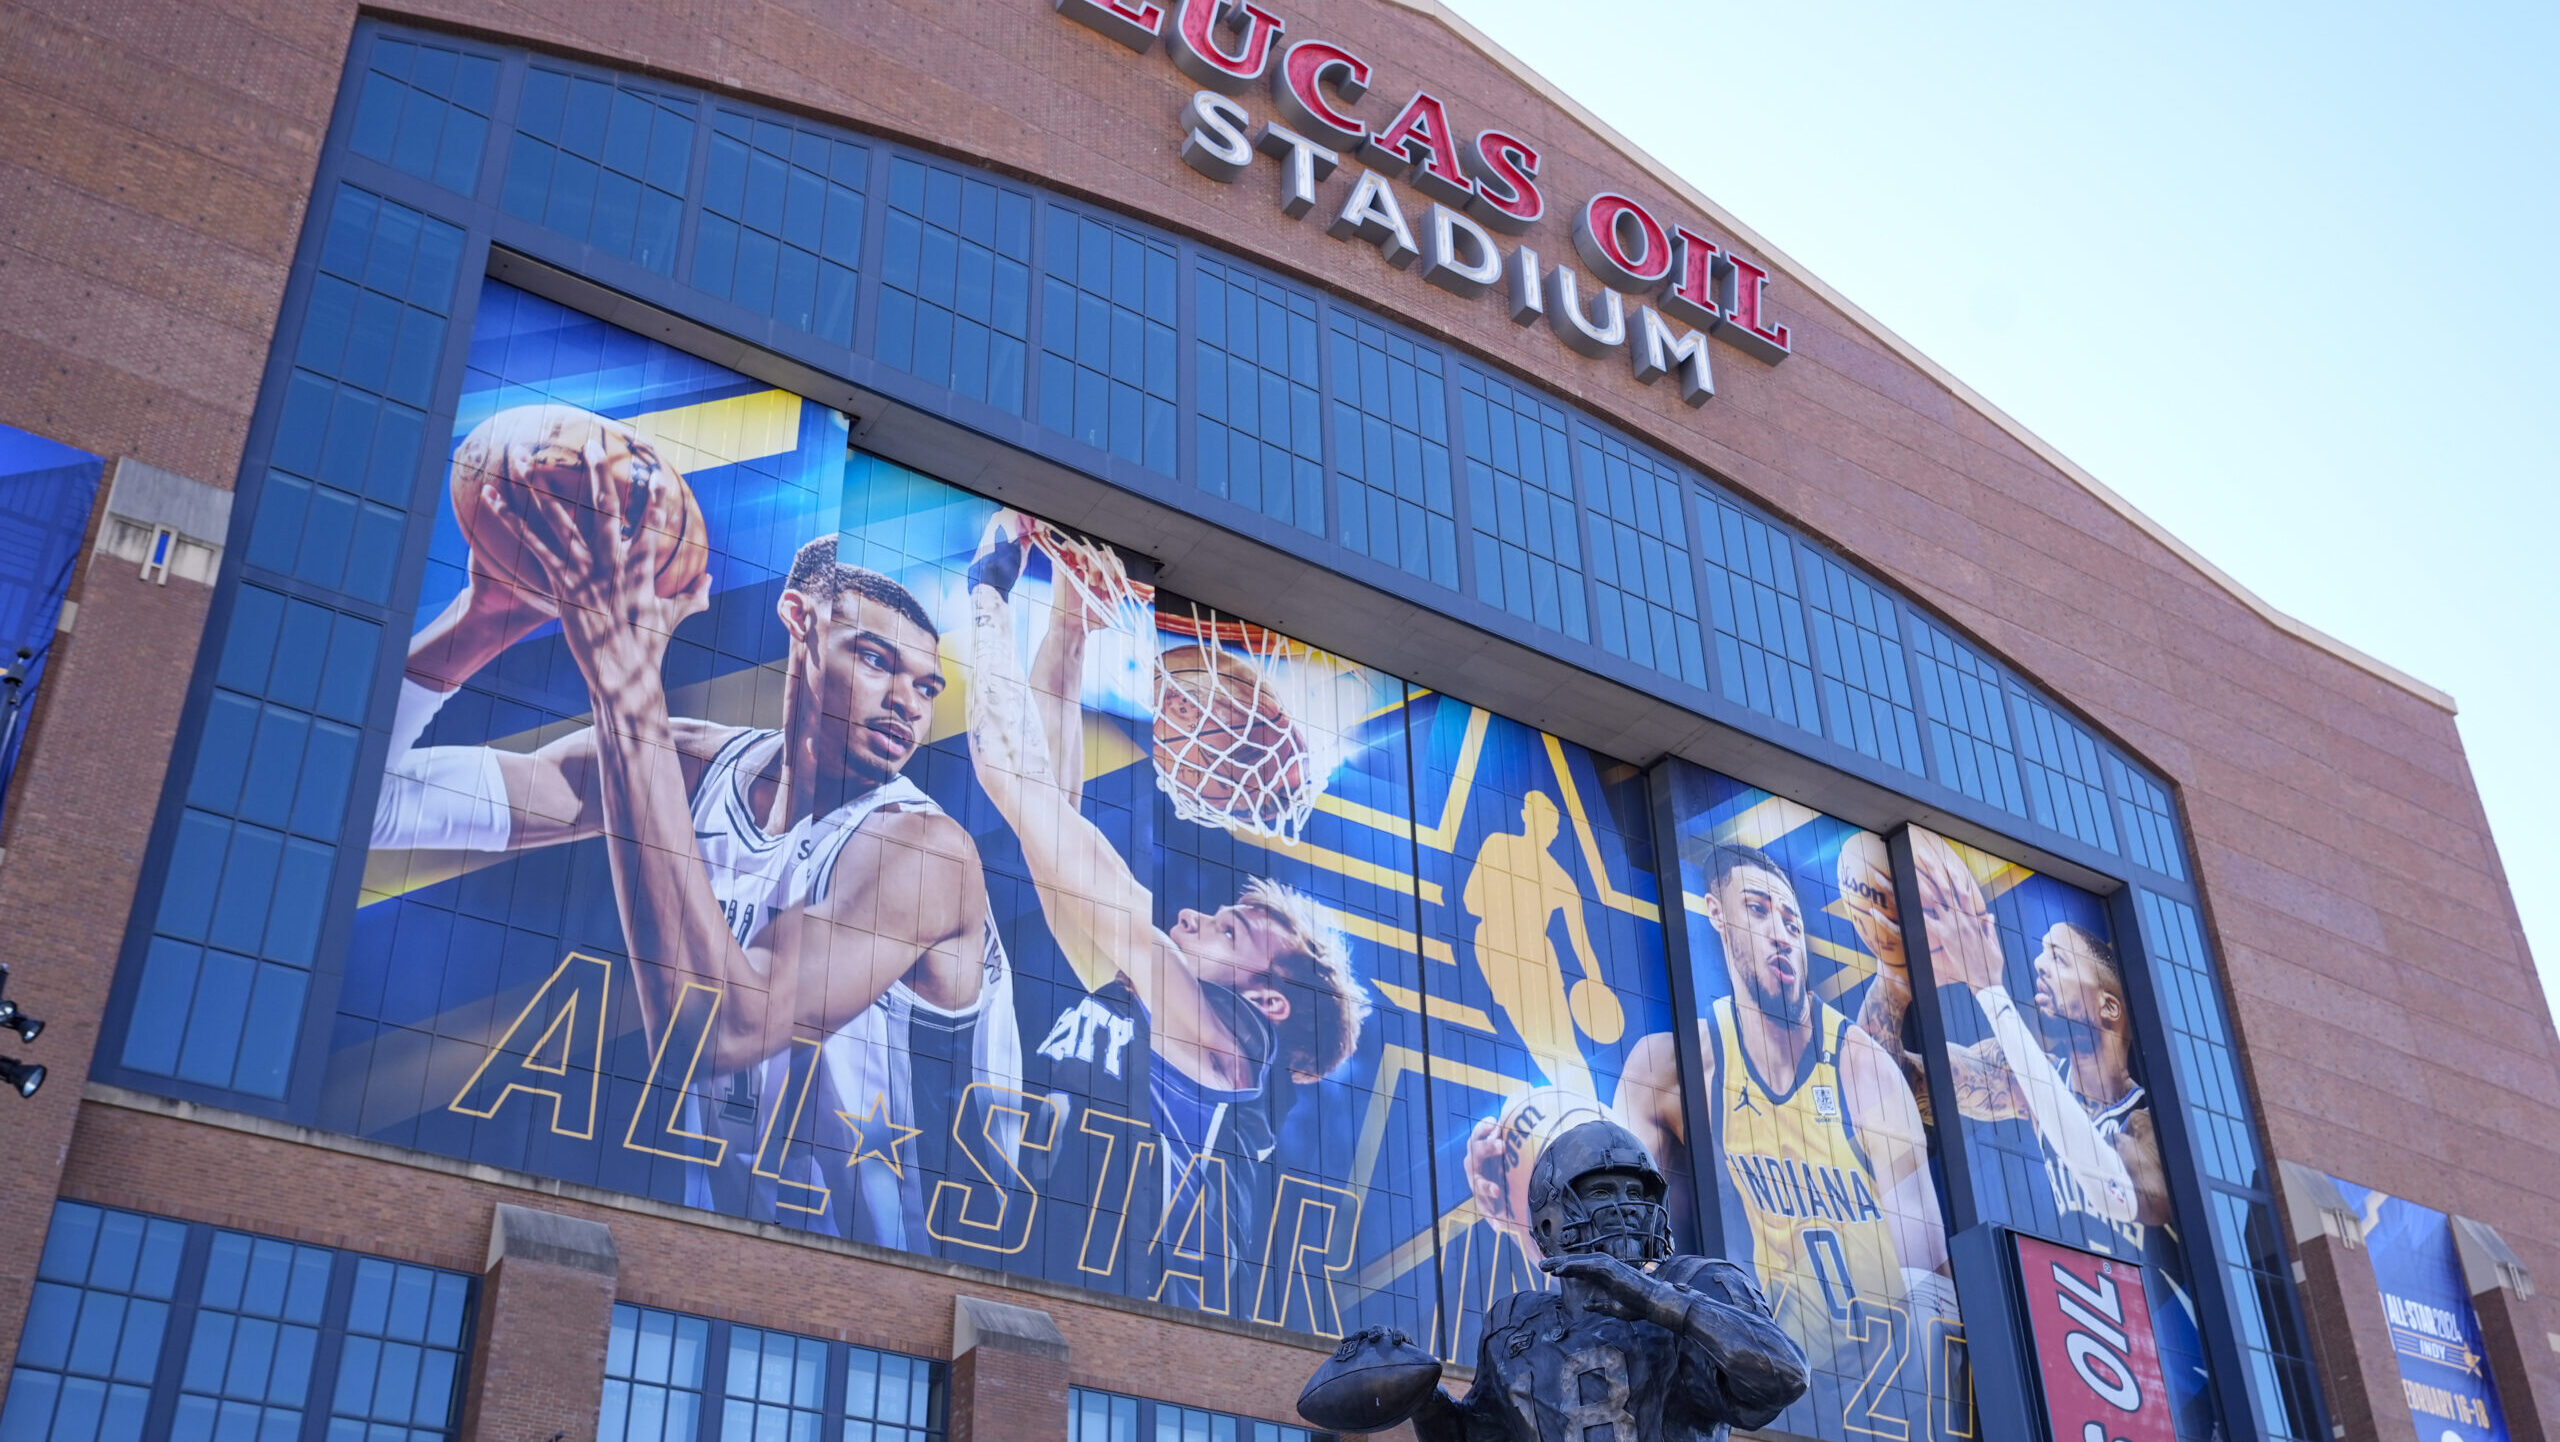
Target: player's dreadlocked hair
<point x="817" y="574"/>
<point x="1326" y="1002"/>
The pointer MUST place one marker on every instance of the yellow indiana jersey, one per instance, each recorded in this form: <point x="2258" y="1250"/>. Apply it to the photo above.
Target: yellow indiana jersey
<point x="1819" y="1238"/>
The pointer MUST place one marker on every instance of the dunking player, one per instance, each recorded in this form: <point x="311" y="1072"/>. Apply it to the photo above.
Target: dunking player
<point x="1201" y="1009"/>
<point x="1820" y="1138"/>
<point x="795" y="869"/>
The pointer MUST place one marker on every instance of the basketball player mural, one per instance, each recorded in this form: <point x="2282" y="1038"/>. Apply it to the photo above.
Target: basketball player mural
<point x="1186" y="1019"/>
<point x="795" y="871"/>
<point x="1818" y="1133"/>
<point x="2055" y="1084"/>
<point x="2088" y="1164"/>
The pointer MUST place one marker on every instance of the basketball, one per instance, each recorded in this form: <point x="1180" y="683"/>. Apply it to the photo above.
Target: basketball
<point x="1531" y="1121"/>
<point x="1374" y="1380"/>
<point x="1222" y="736"/>
<point x="544" y="448"/>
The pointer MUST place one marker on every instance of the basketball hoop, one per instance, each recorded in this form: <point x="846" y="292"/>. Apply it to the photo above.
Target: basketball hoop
<point x="1230" y="750"/>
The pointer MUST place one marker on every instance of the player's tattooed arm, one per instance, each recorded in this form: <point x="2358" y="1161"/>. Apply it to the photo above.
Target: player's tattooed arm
<point x="1986" y="1089"/>
<point x="2139" y="1145"/>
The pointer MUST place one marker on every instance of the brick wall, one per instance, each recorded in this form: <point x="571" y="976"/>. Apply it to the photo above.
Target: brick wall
<point x="157" y="178"/>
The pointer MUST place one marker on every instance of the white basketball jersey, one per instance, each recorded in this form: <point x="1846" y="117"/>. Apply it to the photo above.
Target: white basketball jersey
<point x="897" y="1068"/>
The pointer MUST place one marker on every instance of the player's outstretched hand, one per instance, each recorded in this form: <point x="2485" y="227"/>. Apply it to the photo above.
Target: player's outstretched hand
<point x="602" y="567"/>
<point x="1484" y="1172"/>
<point x="1601" y="1283"/>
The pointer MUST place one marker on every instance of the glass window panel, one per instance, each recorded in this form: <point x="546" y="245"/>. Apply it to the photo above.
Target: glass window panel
<point x="1110" y="325"/>
<point x="1764" y="659"/>
<point x="1640" y="569"/>
<point x="615" y="154"/>
<point x="1866" y="675"/>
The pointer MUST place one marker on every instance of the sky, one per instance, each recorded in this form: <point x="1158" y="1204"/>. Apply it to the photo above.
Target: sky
<point x="2282" y="275"/>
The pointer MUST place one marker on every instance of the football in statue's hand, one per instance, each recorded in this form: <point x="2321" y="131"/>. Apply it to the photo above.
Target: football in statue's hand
<point x="1376" y="1379"/>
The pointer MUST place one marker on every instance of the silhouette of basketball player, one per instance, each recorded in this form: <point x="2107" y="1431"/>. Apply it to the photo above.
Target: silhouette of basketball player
<point x="1514" y="892"/>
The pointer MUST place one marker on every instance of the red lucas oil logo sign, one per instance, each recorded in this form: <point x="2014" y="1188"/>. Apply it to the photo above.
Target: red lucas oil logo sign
<point x="1656" y="289"/>
<point x="2094" y="1349"/>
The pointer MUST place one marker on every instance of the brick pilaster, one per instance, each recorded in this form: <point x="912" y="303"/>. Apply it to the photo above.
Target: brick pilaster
<point x="1008" y="1373"/>
<point x="546" y="1312"/>
<point x="2342" y="1303"/>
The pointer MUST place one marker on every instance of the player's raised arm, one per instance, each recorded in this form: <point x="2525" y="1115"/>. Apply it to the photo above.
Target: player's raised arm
<point x="604" y="579"/>
<point x="1896" y="1142"/>
<point x="1648" y="1099"/>
<point x="1101" y="915"/>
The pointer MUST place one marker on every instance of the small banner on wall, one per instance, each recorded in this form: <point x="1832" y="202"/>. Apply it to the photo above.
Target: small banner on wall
<point x="2435" y="1334"/>
<point x="2099" y="1367"/>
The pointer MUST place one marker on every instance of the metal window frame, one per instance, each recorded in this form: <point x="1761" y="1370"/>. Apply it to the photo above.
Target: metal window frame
<point x="186" y="1298"/>
<point x="708" y="1426"/>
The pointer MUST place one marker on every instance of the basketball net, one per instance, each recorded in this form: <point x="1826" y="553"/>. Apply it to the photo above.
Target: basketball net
<point x="1241" y="760"/>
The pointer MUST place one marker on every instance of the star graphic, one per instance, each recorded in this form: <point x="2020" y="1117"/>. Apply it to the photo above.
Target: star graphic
<point x="862" y="1126"/>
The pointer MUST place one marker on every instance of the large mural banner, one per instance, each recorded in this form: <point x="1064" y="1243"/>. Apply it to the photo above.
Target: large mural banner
<point x="1815" y="1136"/>
<point x="2055" y="1118"/>
<point x="776" y="830"/>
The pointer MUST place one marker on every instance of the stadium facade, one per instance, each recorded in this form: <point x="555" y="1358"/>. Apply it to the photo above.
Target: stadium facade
<point x="965" y="720"/>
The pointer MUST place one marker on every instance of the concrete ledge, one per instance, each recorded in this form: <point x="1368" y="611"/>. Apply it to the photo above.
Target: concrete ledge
<point x="146" y="500"/>
<point x="2488" y="1263"/>
<point x="522" y="1234"/>
<point x="1003" y="1327"/>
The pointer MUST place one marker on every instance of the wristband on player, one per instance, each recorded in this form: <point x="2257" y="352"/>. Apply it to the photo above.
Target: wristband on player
<point x="1000" y="567"/>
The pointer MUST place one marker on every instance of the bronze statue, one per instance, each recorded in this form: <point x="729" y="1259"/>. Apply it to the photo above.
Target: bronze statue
<point x="1638" y="1345"/>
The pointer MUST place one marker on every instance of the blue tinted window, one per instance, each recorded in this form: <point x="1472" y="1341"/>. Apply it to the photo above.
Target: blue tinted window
<point x="890" y="1398"/>
<point x="1105" y="1417"/>
<point x="653" y="1376"/>
<point x="781" y="230"/>
<point x="1391" y="448"/>
<point x="1763" y="659"/>
<point x="268" y="786"/>
<point x="1866" y="678"/>
<point x="344" y="457"/>
<point x="247" y="1371"/>
<point x="95" y="1321"/>
<point x="2217" y="1110"/>
<point x="1261" y="422"/>
<point x="425" y="109"/>
<point x="955" y="272"/>
<point x="400" y="1376"/>
<point x="603" y="163"/>
<point x="2065" y="789"/>
<point x="1647" y="585"/>
<point x="1968" y="719"/>
<point x="767" y="1386"/>
<point x="2277" y="1362"/>
<point x="1528" y="550"/>
<point x="1107" y="312"/>
<point x="265" y="1321"/>
<point x="776" y="1385"/>
<point x="2150" y="820"/>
